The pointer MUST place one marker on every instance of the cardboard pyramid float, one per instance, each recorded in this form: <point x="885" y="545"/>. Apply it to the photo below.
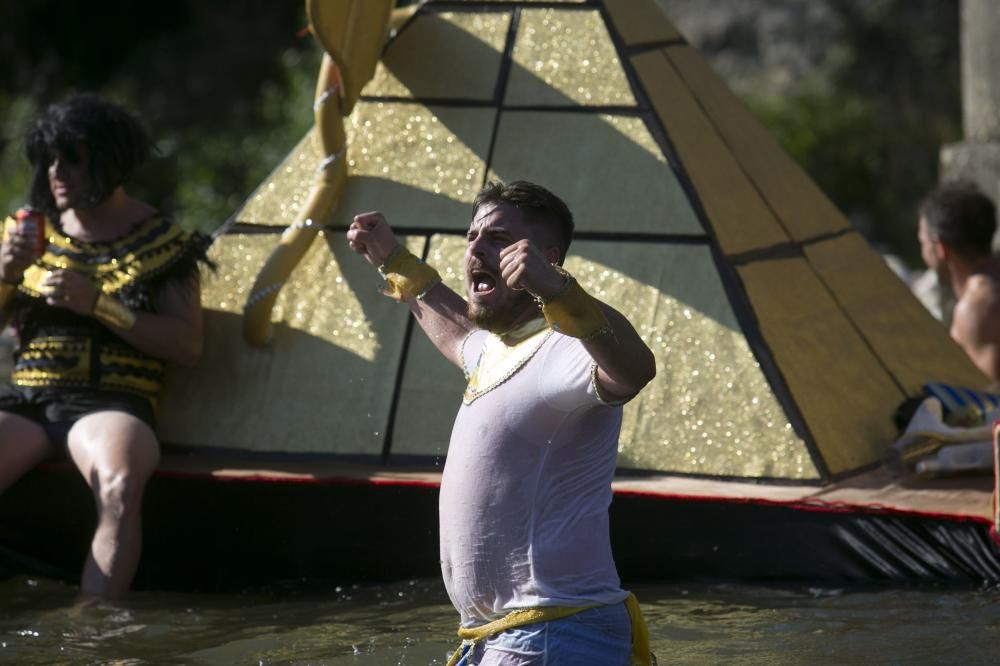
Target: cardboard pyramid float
<point x="783" y="342"/>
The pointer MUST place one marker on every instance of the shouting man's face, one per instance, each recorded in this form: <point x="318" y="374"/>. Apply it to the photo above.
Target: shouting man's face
<point x="492" y="304"/>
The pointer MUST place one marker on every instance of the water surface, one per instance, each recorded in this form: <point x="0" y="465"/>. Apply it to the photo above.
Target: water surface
<point x="412" y="623"/>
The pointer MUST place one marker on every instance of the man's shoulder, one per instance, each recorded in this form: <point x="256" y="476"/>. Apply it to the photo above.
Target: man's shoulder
<point x="982" y="291"/>
<point x="977" y="312"/>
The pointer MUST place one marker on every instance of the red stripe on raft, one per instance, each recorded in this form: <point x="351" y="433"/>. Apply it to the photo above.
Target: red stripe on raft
<point x="820" y="506"/>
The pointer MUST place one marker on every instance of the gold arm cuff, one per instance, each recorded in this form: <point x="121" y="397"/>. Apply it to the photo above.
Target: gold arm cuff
<point x="110" y="310"/>
<point x="406" y="275"/>
<point x="576" y="313"/>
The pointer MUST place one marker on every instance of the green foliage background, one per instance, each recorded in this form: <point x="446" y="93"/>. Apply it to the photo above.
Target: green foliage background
<point x="869" y="124"/>
<point x="226" y="88"/>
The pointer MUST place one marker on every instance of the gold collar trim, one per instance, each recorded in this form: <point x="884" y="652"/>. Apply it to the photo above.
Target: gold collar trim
<point x="499" y="360"/>
<point x="149" y="248"/>
<point x="523" y="332"/>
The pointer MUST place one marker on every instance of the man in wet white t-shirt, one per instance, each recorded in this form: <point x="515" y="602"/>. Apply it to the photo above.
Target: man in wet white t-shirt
<point x="525" y="547"/>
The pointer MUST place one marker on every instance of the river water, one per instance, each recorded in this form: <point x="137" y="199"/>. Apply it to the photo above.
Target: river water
<point x="411" y="623"/>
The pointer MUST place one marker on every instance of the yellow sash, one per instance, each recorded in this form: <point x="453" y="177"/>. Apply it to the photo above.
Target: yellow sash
<point x="641" y="656"/>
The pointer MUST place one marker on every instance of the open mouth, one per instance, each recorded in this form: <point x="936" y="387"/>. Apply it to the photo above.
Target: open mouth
<point x="482" y="283"/>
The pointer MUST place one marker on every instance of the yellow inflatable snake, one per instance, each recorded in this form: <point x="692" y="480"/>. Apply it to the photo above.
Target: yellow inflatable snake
<point x="353" y="33"/>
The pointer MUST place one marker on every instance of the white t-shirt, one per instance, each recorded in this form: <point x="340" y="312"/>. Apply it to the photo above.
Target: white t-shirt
<point x="526" y="488"/>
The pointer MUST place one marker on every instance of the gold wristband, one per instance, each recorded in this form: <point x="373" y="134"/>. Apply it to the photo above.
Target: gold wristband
<point x="406" y="275"/>
<point x="110" y="310"/>
<point x="575" y="313"/>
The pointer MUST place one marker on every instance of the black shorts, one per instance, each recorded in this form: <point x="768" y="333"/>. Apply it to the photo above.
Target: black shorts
<point x="57" y="409"/>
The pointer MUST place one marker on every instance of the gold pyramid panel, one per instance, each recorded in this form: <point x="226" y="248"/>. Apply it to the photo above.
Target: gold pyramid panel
<point x="323" y="384"/>
<point x="618" y="180"/>
<point x="799" y="205"/>
<point x="419" y="165"/>
<point x="420" y="62"/>
<point x="566" y="58"/>
<point x="640" y="22"/>
<point x="911" y="344"/>
<point x="845" y="395"/>
<point x="739" y="217"/>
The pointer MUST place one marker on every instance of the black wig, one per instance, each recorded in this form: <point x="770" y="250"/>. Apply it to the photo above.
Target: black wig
<point x="116" y="141"/>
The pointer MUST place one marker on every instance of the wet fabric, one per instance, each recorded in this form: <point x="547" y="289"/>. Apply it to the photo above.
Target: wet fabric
<point x="526" y="487"/>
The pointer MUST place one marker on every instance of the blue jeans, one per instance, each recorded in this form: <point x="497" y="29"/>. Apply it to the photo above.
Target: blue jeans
<point x="600" y="636"/>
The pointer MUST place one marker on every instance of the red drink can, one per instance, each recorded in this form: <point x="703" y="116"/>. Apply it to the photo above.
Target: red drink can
<point x="36" y="220"/>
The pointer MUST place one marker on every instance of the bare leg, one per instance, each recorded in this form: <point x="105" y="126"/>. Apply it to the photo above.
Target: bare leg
<point x="116" y="453"/>
<point x="23" y="445"/>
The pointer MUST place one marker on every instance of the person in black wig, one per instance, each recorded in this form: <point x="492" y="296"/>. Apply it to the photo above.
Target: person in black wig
<point x="101" y="303"/>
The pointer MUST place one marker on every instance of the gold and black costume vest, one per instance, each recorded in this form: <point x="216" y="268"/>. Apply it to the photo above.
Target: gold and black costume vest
<point x="61" y="349"/>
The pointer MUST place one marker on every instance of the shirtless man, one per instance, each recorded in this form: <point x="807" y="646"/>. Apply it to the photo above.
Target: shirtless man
<point x="956" y="227"/>
<point x="525" y="547"/>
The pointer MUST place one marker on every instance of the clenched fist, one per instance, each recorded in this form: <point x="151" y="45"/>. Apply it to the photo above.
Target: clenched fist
<point x="371" y="237"/>
<point x="523" y="266"/>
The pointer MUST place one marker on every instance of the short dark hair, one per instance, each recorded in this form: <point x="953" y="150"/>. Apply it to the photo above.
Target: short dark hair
<point x="961" y="216"/>
<point x="536" y="202"/>
<point x="117" y="143"/>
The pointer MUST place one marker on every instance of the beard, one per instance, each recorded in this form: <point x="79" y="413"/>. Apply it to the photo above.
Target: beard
<point x="501" y="317"/>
